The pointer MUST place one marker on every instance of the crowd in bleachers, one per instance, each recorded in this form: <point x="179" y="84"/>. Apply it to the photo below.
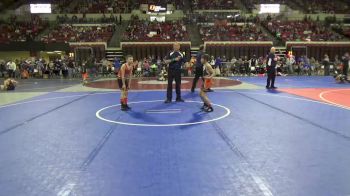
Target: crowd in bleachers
<point x="344" y="30"/>
<point x="324" y="6"/>
<point x="155" y="67"/>
<point x="213" y="4"/>
<point x="109" y="6"/>
<point x="212" y="17"/>
<point x="251" y="4"/>
<point x="179" y="4"/>
<point x="112" y="18"/>
<point x="14" y="30"/>
<point x="59" y="6"/>
<point x="232" y="32"/>
<point x="102" y="6"/>
<point x="305" y="30"/>
<point x="140" y="30"/>
<point x="72" y="33"/>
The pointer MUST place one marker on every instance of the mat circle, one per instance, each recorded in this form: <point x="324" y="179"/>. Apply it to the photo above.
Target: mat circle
<point x="98" y="115"/>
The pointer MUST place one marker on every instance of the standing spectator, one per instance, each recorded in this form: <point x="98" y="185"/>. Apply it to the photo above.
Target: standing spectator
<point x="326" y="65"/>
<point x="12" y="68"/>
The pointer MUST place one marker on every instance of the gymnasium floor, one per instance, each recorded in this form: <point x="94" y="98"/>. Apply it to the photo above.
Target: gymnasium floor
<point x="59" y="138"/>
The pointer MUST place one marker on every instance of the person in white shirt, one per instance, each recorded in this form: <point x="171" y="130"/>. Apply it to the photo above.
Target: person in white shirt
<point x="290" y="61"/>
<point x="11" y="68"/>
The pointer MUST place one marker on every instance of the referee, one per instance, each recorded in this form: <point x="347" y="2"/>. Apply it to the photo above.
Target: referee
<point x="199" y="68"/>
<point x="175" y="60"/>
<point x="271" y="69"/>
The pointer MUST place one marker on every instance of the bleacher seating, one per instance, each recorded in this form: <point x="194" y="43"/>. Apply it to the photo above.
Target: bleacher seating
<point x="250" y="4"/>
<point x="71" y="33"/>
<point x="102" y="6"/>
<point x="60" y="6"/>
<point x="211" y="17"/>
<point x="248" y="32"/>
<point x="324" y="6"/>
<point x="156" y="31"/>
<point x="15" y="30"/>
<point x="301" y="31"/>
<point x="177" y="3"/>
<point x="344" y="30"/>
<point x="214" y="5"/>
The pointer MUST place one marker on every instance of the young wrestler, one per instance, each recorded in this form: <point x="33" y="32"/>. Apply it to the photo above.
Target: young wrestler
<point x="124" y="76"/>
<point x="208" y="74"/>
<point x="9" y="85"/>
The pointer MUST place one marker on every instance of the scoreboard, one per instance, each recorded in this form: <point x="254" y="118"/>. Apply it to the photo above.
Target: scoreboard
<point x="156" y="9"/>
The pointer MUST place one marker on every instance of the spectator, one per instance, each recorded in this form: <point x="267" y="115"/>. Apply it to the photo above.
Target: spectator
<point x="346" y="64"/>
<point x="326" y="65"/>
<point x="290" y="61"/>
<point x="246" y="66"/>
<point x="2" y="68"/>
<point x="12" y="68"/>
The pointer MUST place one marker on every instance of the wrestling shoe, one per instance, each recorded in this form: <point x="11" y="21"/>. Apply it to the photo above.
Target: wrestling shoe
<point x="209" y="109"/>
<point x="180" y="100"/>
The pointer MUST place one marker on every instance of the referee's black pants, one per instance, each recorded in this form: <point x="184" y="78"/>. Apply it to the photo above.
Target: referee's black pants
<point x="198" y="74"/>
<point x="271" y="76"/>
<point x="174" y="74"/>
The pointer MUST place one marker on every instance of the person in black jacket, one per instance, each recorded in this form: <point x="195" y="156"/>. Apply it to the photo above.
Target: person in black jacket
<point x="271" y="69"/>
<point x="199" y="68"/>
<point x="175" y="61"/>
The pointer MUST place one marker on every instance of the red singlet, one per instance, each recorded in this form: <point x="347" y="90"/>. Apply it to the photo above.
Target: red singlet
<point x="127" y="70"/>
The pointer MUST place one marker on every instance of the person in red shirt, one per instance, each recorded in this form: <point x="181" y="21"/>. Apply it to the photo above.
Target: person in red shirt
<point x="124" y="76"/>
